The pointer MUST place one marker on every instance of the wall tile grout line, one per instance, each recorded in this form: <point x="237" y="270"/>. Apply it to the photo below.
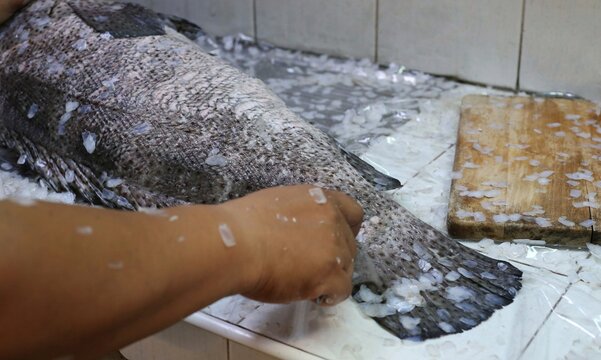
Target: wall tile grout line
<point x="254" y="15"/>
<point x="520" y="47"/>
<point x="377" y="32"/>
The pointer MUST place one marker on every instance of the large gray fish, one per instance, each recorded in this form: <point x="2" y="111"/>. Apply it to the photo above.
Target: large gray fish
<point x="110" y="102"/>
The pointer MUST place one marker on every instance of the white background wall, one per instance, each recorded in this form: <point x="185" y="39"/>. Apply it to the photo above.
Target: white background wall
<point x="540" y="45"/>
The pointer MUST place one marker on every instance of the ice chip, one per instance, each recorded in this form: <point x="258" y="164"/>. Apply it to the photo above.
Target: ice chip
<point x="216" y="160"/>
<point x="33" y="110"/>
<point x="488" y="275"/>
<point x="141" y="128"/>
<point x="446" y="327"/>
<point x="375" y="310"/>
<point x="564" y="221"/>
<point x="71" y="106"/>
<point x="318" y="195"/>
<point x="465" y="273"/>
<point x="366" y="295"/>
<point x="226" y="235"/>
<point x="89" y="141"/>
<point x="542" y="222"/>
<point x="470" y="165"/>
<point x="80" y="45"/>
<point x="452" y="276"/>
<point x="39" y="163"/>
<point x="22" y="159"/>
<point x="69" y="176"/>
<point x="458" y="293"/>
<point x="515" y="217"/>
<point x="62" y="122"/>
<point x="500" y="218"/>
<point x="409" y="323"/>
<point x="111" y="183"/>
<point x="85" y="230"/>
<point x="572" y="117"/>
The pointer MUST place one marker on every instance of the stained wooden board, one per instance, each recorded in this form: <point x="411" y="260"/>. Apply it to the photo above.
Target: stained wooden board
<point x="506" y="148"/>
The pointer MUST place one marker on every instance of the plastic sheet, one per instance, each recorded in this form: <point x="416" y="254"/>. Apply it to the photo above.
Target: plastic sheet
<point x="404" y="123"/>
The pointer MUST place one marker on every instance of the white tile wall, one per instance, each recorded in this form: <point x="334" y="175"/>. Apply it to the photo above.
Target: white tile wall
<point x="338" y="27"/>
<point x="471" y="39"/>
<point x="561" y="47"/>
<point x="218" y="17"/>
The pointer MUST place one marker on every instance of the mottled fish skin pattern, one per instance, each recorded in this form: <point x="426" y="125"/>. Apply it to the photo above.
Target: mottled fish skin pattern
<point x="178" y="125"/>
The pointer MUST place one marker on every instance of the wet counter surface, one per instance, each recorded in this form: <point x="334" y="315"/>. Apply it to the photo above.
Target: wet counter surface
<point x="405" y="124"/>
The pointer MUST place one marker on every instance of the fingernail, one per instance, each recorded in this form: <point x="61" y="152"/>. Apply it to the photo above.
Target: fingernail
<point x="320" y="299"/>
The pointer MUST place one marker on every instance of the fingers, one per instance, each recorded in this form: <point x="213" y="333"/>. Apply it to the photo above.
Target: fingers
<point x="7" y="8"/>
<point x="338" y="290"/>
<point x="353" y="215"/>
<point x="338" y="284"/>
<point x="350" y="209"/>
<point x="351" y="243"/>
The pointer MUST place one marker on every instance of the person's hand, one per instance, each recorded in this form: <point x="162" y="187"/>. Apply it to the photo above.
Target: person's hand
<point x="8" y="8"/>
<point x="303" y="244"/>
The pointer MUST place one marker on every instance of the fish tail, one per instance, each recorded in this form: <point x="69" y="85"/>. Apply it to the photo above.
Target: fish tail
<point x="425" y="285"/>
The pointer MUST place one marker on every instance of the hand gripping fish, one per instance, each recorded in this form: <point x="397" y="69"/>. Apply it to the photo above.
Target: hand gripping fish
<point x="111" y="102"/>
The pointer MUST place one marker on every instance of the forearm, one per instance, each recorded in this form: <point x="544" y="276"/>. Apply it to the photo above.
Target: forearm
<point x="8" y="7"/>
<point x="66" y="288"/>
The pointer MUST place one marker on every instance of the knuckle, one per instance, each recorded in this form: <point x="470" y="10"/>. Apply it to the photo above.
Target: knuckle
<point x="331" y="213"/>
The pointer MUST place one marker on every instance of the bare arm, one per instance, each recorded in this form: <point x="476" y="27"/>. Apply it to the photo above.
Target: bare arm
<point x="8" y="7"/>
<point x="82" y="281"/>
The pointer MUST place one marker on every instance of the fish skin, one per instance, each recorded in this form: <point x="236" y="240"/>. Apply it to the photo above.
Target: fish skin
<point x="178" y="125"/>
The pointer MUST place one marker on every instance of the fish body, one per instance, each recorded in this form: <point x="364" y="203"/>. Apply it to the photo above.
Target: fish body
<point x="112" y="103"/>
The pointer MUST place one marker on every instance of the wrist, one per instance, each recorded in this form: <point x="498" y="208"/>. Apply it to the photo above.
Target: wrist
<point x="231" y="264"/>
<point x="245" y="259"/>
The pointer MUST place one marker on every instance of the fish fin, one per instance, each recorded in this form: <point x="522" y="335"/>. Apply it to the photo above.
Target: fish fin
<point x="434" y="285"/>
<point x="376" y="178"/>
<point x="182" y="26"/>
<point x="68" y="175"/>
<point x="121" y="20"/>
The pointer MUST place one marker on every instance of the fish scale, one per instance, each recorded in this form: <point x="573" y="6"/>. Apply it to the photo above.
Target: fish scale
<point x="161" y="110"/>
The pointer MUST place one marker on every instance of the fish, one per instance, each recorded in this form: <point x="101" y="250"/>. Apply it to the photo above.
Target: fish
<point x="111" y="102"/>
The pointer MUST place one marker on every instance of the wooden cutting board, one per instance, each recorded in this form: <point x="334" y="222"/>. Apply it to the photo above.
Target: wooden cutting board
<point x="527" y="168"/>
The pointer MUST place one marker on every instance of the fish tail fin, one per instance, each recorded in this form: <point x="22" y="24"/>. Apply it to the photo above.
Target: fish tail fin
<point x="425" y="285"/>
